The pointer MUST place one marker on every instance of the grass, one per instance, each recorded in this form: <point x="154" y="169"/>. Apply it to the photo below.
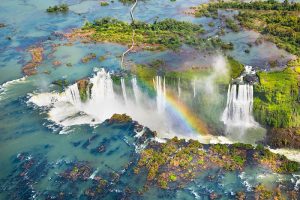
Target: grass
<point x="236" y="68"/>
<point x="276" y="99"/>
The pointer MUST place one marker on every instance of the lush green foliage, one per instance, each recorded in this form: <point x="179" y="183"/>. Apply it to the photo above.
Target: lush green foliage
<point x="282" y="28"/>
<point x="236" y="68"/>
<point x="104" y="3"/>
<point x="176" y="162"/>
<point x="279" y="22"/>
<point x="168" y="33"/>
<point x="257" y="5"/>
<point x="230" y="23"/>
<point x="58" y="8"/>
<point x="276" y="102"/>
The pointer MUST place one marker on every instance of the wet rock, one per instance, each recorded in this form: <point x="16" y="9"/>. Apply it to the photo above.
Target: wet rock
<point x="75" y="144"/>
<point x="283" y="137"/>
<point x="80" y="171"/>
<point x="88" y="57"/>
<point x="101" y="148"/>
<point x="36" y="59"/>
<point x="2" y="25"/>
<point x="20" y="184"/>
<point x="120" y="118"/>
<point x="250" y="79"/>
<point x="56" y="63"/>
<point x="84" y="88"/>
<point x="213" y="196"/>
<point x="240" y="196"/>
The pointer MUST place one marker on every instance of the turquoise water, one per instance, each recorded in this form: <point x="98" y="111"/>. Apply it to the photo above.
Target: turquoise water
<point x="34" y="151"/>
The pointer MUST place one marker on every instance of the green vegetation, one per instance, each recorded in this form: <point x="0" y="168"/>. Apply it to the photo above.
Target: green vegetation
<point x="84" y="88"/>
<point x="173" y="177"/>
<point x="62" y="83"/>
<point x="295" y="64"/>
<point x="279" y="22"/>
<point x="166" y="34"/>
<point x="176" y="162"/>
<point x="236" y="68"/>
<point x="278" y="163"/>
<point x="127" y="1"/>
<point x="104" y="3"/>
<point x="120" y="118"/>
<point x="88" y="57"/>
<point x="230" y="23"/>
<point x="276" y="102"/>
<point x="58" y="8"/>
<point x="102" y="58"/>
<point x="211" y="24"/>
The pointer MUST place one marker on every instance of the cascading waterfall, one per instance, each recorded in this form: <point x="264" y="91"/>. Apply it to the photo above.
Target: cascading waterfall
<point x="179" y="88"/>
<point x="136" y="91"/>
<point x="73" y="95"/>
<point x="124" y="90"/>
<point x="160" y="93"/>
<point x="93" y="101"/>
<point x="194" y="88"/>
<point x="238" y="111"/>
<point x="102" y="88"/>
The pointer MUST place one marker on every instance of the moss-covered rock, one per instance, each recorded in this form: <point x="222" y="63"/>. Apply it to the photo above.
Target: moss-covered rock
<point x="120" y="118"/>
<point x="88" y="57"/>
<point x="84" y="88"/>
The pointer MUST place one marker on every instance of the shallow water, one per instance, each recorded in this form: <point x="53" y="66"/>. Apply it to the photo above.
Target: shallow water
<point x="25" y="129"/>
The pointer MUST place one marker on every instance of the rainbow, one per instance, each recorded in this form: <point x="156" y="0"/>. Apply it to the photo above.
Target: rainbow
<point x="187" y="117"/>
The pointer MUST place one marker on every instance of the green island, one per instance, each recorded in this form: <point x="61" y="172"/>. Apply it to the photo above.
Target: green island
<point x="63" y="8"/>
<point x="104" y="3"/>
<point x="165" y="34"/>
<point x="278" y="22"/>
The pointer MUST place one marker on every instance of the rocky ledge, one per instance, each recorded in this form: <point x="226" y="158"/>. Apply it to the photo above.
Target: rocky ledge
<point x="283" y="138"/>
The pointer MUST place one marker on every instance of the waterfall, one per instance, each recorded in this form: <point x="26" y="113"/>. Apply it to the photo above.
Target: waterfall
<point x="124" y="90"/>
<point x="102" y="89"/>
<point x="179" y="88"/>
<point x="238" y="111"/>
<point x="160" y="93"/>
<point x="136" y="90"/>
<point x="194" y="88"/>
<point x="72" y="94"/>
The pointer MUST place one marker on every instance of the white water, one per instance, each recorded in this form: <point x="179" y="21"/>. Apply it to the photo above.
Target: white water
<point x="238" y="111"/>
<point x="194" y="88"/>
<point x="160" y="94"/>
<point x="124" y="90"/>
<point x="179" y="88"/>
<point x="67" y="109"/>
<point x="136" y="90"/>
